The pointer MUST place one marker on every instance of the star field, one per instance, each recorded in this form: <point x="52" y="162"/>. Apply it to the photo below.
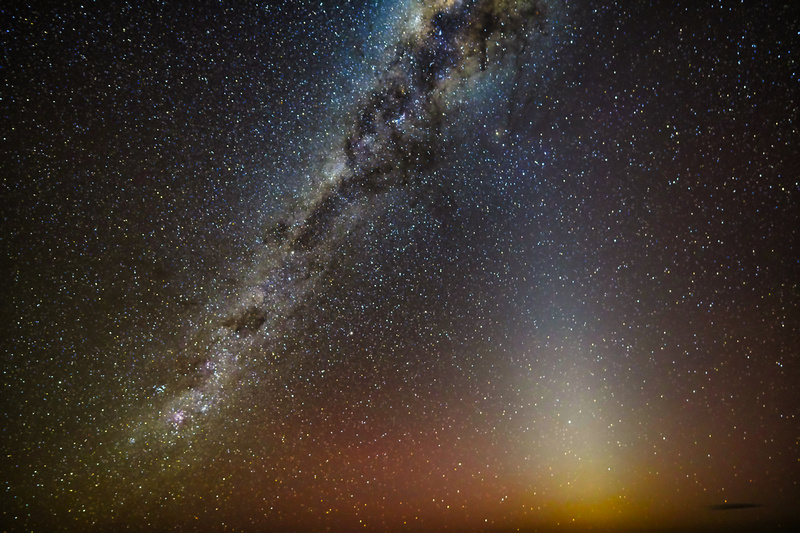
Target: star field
<point x="401" y="265"/>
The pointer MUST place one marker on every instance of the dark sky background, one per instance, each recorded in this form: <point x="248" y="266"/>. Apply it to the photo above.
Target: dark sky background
<point x="580" y="313"/>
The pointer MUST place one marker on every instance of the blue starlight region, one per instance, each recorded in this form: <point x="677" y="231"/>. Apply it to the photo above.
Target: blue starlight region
<point x="401" y="265"/>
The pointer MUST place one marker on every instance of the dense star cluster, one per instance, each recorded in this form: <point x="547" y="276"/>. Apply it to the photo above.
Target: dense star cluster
<point x="401" y="265"/>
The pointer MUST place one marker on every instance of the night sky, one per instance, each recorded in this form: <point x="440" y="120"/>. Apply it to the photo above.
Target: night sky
<point x="400" y="265"/>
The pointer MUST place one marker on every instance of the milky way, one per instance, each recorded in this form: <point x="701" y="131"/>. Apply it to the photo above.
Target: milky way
<point x="391" y="148"/>
<point x="401" y="265"/>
